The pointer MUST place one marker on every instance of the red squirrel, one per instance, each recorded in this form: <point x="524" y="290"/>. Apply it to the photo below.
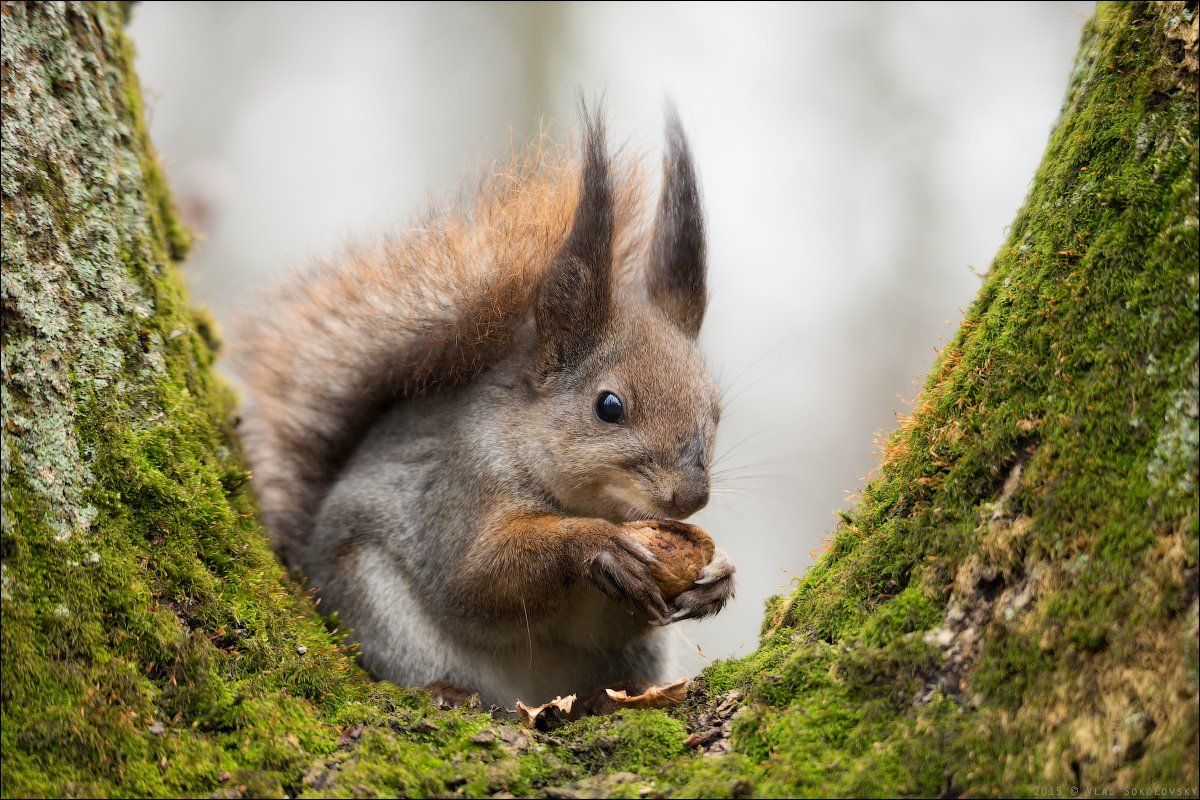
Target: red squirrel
<point x="451" y="428"/>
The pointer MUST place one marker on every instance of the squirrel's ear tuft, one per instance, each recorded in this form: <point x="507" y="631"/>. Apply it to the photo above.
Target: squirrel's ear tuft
<point x="575" y="299"/>
<point x="675" y="277"/>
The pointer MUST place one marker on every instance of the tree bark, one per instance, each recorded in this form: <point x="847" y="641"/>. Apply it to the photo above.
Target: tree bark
<point x="1010" y="608"/>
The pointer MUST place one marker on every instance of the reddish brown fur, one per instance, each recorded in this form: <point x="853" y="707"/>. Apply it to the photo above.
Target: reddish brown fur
<point x="524" y="564"/>
<point x="436" y="304"/>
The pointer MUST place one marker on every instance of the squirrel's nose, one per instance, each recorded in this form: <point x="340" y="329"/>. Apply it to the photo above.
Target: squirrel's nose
<point x="687" y="500"/>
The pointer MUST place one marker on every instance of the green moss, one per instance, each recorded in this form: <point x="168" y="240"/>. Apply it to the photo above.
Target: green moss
<point x="1041" y="498"/>
<point x="629" y="741"/>
<point x="910" y="611"/>
<point x="151" y="642"/>
<point x="730" y="776"/>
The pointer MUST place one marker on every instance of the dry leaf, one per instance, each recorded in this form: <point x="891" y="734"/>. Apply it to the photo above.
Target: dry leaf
<point x="447" y="695"/>
<point x="654" y="697"/>
<point x="547" y="715"/>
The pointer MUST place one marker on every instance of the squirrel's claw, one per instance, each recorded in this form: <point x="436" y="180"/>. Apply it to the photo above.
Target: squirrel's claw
<point x="718" y="568"/>
<point x="712" y="590"/>
<point x="622" y="571"/>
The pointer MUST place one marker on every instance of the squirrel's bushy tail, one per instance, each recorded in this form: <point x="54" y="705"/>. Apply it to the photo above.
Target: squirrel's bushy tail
<point x="430" y="306"/>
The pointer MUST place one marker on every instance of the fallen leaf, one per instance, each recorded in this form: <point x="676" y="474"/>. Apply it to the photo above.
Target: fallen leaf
<point x="547" y="715"/>
<point x="448" y="695"/>
<point x="654" y="697"/>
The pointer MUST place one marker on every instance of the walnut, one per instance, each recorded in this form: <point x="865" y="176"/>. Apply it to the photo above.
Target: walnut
<point x="682" y="550"/>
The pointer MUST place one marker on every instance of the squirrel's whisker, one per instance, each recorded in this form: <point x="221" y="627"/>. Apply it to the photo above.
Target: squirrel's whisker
<point x="447" y="419"/>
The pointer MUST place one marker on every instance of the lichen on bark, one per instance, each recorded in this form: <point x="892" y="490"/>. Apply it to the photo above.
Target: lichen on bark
<point x="1009" y="608"/>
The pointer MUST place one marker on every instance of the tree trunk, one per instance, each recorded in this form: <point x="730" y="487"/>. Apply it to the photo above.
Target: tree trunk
<point x="1010" y="607"/>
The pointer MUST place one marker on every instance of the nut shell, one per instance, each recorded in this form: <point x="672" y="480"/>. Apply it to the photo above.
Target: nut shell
<point x="682" y="551"/>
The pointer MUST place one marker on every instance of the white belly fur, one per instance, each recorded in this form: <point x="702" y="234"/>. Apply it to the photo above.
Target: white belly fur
<point x="589" y="642"/>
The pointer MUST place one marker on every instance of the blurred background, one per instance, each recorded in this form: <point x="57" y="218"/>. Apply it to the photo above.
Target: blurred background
<point x="860" y="163"/>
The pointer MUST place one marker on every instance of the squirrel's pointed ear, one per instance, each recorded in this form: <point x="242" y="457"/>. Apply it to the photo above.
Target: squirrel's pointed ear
<point x="675" y="277"/>
<point x="575" y="299"/>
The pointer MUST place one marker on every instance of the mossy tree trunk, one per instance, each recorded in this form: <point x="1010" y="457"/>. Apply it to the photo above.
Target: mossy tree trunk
<point x="1010" y="607"/>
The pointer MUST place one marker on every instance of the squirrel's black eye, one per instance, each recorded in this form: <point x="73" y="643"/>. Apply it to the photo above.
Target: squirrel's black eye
<point x="609" y="408"/>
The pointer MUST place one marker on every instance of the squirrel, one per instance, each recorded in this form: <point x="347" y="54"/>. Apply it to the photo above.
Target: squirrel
<point x="451" y="430"/>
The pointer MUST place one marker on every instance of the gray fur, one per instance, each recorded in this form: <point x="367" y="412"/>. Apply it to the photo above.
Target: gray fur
<point x="474" y="533"/>
<point x="391" y="534"/>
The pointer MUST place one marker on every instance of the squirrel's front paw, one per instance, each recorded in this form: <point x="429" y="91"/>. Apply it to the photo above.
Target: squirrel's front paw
<point x="621" y="569"/>
<point x="709" y="594"/>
